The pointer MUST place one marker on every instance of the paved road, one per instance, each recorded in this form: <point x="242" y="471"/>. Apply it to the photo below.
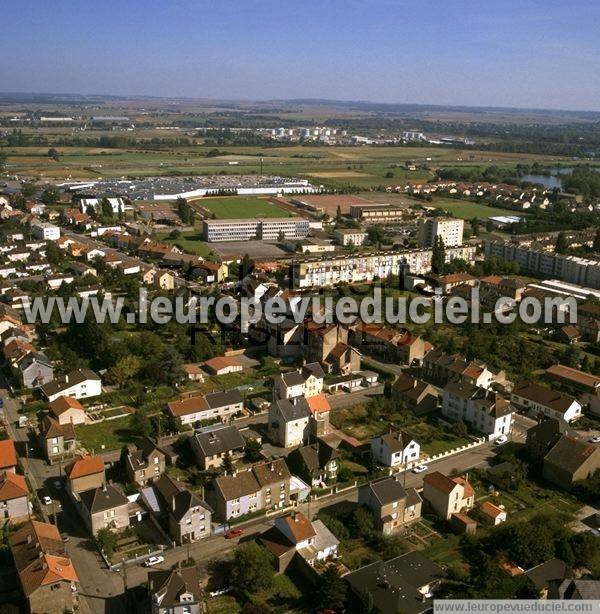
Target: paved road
<point x="349" y="399"/>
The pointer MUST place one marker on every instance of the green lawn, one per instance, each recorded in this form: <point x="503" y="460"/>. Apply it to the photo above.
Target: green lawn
<point x="191" y="242"/>
<point x="241" y="207"/>
<point x="111" y="434"/>
<point x="468" y="210"/>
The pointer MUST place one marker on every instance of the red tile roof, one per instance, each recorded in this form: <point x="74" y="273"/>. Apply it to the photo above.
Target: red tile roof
<point x="84" y="465"/>
<point x="8" y="454"/>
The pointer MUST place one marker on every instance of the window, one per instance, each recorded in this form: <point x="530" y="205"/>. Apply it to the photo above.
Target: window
<point x="156" y="459"/>
<point x="395" y="504"/>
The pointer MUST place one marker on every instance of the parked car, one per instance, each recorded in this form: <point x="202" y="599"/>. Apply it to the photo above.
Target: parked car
<point x="234" y="533"/>
<point x="65" y="537"/>
<point x="154" y="560"/>
<point x="595" y="439"/>
<point x="46" y="500"/>
<point x="420" y="468"/>
<point x="500" y="440"/>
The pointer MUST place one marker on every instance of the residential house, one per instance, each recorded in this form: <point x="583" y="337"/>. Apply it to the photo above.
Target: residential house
<point x="541" y="401"/>
<point x="57" y="440"/>
<point x="441" y="368"/>
<point x="211" y="444"/>
<point x="392" y="345"/>
<point x="574" y="589"/>
<point x="320" y="411"/>
<point x="145" y="464"/>
<point x="576" y="378"/>
<point x="542" y="436"/>
<point x="444" y="284"/>
<point x="67" y="410"/>
<point x="216" y="405"/>
<point x="447" y="495"/>
<point x="194" y="373"/>
<point x="393" y="506"/>
<point x="189" y="517"/>
<point x="165" y="280"/>
<point x="294" y="538"/>
<point x="265" y="485"/>
<point x="33" y="369"/>
<point x="549" y="572"/>
<point x="46" y="573"/>
<point x="486" y="411"/>
<point x="222" y="365"/>
<point x="568" y="334"/>
<point x="175" y="591"/>
<point x="395" y="448"/>
<point x="494" y="514"/>
<point x="306" y="382"/>
<point x="104" y="507"/>
<point x="80" y="384"/>
<point x="570" y="460"/>
<point x="288" y="421"/>
<point x="85" y="473"/>
<point x="404" y="584"/>
<point x="210" y="272"/>
<point x="317" y="464"/>
<point x="8" y="455"/>
<point x="418" y="396"/>
<point x="14" y="497"/>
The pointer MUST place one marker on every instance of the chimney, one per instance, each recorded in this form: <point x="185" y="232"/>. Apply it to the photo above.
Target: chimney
<point x="66" y="379"/>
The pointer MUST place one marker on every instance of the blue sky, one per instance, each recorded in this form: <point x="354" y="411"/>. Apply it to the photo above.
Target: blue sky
<point x="526" y="53"/>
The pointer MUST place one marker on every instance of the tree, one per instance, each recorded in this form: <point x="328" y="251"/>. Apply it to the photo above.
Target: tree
<point x="54" y="254"/>
<point x="281" y="236"/>
<point x="596" y="244"/>
<point x="438" y="256"/>
<point x="107" y="540"/>
<point x="332" y="589"/>
<point x="251" y="569"/>
<point x="140" y="423"/>
<point x="460" y="429"/>
<point x="338" y="214"/>
<point x="562" y="245"/>
<point x="227" y="464"/>
<point x="106" y="208"/>
<point x="362" y="523"/>
<point x="50" y="196"/>
<point x="53" y="153"/>
<point x="387" y="390"/>
<point x="125" y="369"/>
<point x="252" y="451"/>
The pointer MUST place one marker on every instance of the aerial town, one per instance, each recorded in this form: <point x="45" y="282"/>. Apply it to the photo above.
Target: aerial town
<point x="307" y="462"/>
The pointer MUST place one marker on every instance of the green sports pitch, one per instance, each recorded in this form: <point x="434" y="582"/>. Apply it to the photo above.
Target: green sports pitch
<point x="241" y="207"/>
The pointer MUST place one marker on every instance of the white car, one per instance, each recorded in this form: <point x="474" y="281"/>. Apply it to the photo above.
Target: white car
<point x="154" y="560"/>
<point x="47" y="500"/>
<point x="595" y="439"/>
<point x="420" y="468"/>
<point x="500" y="440"/>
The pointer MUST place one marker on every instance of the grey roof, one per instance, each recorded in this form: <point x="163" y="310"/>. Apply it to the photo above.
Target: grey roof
<point x="183" y="501"/>
<point x="215" y="400"/>
<point x="62" y="383"/>
<point x="396" y="441"/>
<point x="390" y="490"/>
<point x="394" y="585"/>
<point x="219" y="440"/>
<point x="574" y="589"/>
<point x="293" y="378"/>
<point x="167" y="586"/>
<point x="292" y="411"/>
<point x="313" y="368"/>
<point x="102" y="499"/>
<point x="554" y="569"/>
<point x="316" y="455"/>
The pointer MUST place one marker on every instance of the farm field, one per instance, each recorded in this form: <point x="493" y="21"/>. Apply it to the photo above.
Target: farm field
<point x="365" y="167"/>
<point x="241" y="207"/>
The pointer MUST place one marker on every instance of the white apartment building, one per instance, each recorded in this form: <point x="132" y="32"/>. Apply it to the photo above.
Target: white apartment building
<point x="45" y="231"/>
<point x="350" y="236"/>
<point x="360" y="268"/>
<point x="486" y="411"/>
<point x="268" y="229"/>
<point x="448" y="228"/>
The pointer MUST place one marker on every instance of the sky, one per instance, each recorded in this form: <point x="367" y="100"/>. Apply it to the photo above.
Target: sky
<point x="527" y="53"/>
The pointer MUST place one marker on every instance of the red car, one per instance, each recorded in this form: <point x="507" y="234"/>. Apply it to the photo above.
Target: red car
<point x="234" y="533"/>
